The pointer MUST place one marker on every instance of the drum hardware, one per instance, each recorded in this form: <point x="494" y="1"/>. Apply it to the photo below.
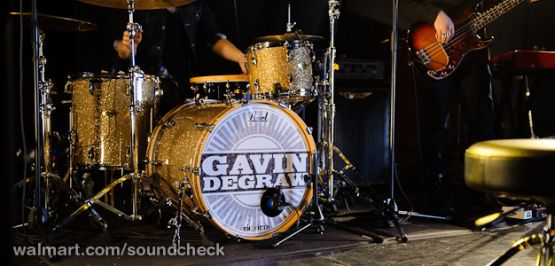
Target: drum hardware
<point x="43" y="108"/>
<point x="224" y="88"/>
<point x="316" y="217"/>
<point x="180" y="215"/>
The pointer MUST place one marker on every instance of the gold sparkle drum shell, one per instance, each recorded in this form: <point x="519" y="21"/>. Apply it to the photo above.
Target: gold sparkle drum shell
<point x="100" y="118"/>
<point x="227" y="157"/>
<point x="281" y="70"/>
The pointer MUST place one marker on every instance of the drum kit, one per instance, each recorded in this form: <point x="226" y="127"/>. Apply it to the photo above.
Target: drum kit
<point x="236" y="155"/>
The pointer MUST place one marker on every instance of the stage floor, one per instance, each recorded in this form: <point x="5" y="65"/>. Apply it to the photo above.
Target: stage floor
<point x="430" y="242"/>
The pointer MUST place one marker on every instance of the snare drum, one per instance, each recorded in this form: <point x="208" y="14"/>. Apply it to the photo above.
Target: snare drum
<point x="100" y="118"/>
<point x="281" y="70"/>
<point x="228" y="156"/>
<point x="220" y="87"/>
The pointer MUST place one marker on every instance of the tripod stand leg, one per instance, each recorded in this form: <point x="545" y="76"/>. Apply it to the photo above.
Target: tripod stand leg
<point x="85" y="207"/>
<point x="95" y="200"/>
<point x="292" y="235"/>
<point x="391" y="214"/>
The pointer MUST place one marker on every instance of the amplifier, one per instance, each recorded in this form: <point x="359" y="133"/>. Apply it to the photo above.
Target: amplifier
<point x="365" y="69"/>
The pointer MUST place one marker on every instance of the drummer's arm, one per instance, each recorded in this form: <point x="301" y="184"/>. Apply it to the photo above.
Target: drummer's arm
<point x="226" y="49"/>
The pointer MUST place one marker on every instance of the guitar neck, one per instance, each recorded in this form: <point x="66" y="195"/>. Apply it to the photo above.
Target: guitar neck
<point x="483" y="19"/>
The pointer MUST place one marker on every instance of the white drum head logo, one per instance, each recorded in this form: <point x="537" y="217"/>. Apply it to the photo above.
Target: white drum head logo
<point x="253" y="148"/>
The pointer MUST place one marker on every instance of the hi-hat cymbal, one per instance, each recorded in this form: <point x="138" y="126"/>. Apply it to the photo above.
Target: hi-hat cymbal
<point x="139" y="4"/>
<point x="289" y="36"/>
<point x="55" y="23"/>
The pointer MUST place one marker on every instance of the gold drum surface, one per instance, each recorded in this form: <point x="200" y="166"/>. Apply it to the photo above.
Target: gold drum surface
<point x="101" y="120"/>
<point x="281" y="70"/>
<point x="227" y="157"/>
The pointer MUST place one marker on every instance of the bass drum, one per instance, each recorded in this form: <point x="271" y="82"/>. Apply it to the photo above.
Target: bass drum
<point x="227" y="157"/>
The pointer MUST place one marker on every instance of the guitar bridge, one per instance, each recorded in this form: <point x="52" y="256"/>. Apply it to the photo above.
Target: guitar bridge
<point x="423" y="56"/>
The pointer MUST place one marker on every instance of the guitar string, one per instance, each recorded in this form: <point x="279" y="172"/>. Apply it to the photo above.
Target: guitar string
<point x="504" y="6"/>
<point x="436" y="47"/>
<point x="467" y="28"/>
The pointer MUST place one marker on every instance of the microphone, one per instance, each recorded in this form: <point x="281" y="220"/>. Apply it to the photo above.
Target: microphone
<point x="273" y="202"/>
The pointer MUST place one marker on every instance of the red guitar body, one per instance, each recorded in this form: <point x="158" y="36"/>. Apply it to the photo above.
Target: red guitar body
<point x="442" y="60"/>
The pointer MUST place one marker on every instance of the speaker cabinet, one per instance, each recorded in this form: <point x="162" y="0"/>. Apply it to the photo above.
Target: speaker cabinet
<point x="362" y="134"/>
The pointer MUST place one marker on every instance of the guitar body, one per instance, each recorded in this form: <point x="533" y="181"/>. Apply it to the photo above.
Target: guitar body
<point x="441" y="60"/>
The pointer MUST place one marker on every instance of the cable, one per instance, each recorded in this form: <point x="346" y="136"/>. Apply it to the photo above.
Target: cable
<point x="403" y="193"/>
<point x="21" y="113"/>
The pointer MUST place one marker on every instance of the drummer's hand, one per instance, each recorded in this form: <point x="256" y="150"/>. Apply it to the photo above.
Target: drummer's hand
<point x="123" y="46"/>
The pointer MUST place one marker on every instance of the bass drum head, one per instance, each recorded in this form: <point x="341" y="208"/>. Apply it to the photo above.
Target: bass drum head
<point x="244" y="151"/>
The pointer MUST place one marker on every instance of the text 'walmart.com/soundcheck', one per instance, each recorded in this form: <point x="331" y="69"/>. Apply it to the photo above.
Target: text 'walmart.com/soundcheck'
<point x="124" y="250"/>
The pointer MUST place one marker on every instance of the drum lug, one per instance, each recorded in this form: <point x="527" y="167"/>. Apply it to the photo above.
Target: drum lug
<point x="309" y="130"/>
<point x="253" y="59"/>
<point x="169" y="123"/>
<point x="93" y="82"/>
<point x="91" y="153"/>
<point x="187" y="169"/>
<point x="256" y="85"/>
<point x="204" y="126"/>
<point x="155" y="163"/>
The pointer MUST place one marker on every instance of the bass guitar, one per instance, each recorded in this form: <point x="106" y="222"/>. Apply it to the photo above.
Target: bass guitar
<point x="441" y="60"/>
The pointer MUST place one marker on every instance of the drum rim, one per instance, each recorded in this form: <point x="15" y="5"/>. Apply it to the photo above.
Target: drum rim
<point x="105" y="75"/>
<point x="219" y="78"/>
<point x="288" y="44"/>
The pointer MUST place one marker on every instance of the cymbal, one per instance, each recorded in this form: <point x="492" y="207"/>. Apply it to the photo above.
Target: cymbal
<point x="139" y="4"/>
<point x="289" y="36"/>
<point x="55" y="23"/>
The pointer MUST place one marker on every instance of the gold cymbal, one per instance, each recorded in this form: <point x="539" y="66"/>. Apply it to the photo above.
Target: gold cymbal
<point x="289" y="36"/>
<point x="55" y="23"/>
<point x="139" y="4"/>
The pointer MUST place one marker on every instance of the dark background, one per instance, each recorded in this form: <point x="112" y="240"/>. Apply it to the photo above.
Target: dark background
<point x="362" y="130"/>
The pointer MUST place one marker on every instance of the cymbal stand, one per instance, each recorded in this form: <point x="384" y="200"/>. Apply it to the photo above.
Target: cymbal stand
<point x="327" y="104"/>
<point x="135" y="106"/>
<point x="290" y="25"/>
<point x="43" y="109"/>
<point x="326" y="110"/>
<point x="46" y="108"/>
<point x="135" y="73"/>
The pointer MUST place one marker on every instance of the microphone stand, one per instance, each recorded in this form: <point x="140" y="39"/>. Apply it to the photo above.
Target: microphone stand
<point x="391" y="209"/>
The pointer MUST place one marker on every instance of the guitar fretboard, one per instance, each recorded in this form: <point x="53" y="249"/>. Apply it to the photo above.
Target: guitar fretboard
<point x="493" y="13"/>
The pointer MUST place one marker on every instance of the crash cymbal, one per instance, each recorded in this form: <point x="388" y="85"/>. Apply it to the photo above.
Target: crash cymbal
<point x="139" y="4"/>
<point x="55" y="23"/>
<point x="289" y="36"/>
